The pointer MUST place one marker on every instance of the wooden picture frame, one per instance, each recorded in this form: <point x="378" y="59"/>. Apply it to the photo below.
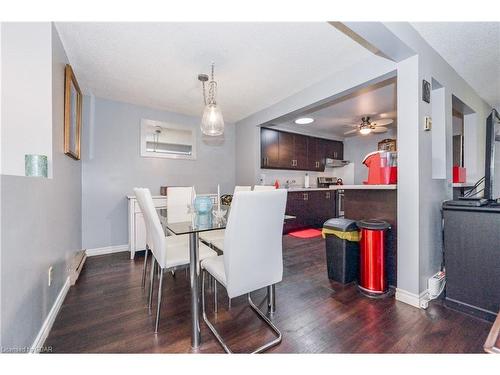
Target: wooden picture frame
<point x="72" y="114"/>
<point x="387" y="145"/>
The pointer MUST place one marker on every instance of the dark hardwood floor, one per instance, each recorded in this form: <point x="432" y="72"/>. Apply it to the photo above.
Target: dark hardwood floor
<point x="105" y="312"/>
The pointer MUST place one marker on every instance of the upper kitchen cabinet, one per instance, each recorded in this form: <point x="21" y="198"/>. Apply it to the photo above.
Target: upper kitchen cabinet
<point x="334" y="149"/>
<point x="300" y="151"/>
<point x="283" y="150"/>
<point x="316" y="153"/>
<point x="269" y="143"/>
<point x="286" y="150"/>
<point x="292" y="151"/>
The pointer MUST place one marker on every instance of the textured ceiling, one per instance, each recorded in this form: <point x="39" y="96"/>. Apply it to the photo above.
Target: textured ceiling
<point x="156" y="64"/>
<point x="333" y="119"/>
<point x="472" y="49"/>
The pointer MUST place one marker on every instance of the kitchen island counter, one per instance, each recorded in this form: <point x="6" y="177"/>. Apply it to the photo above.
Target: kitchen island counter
<point x="346" y="187"/>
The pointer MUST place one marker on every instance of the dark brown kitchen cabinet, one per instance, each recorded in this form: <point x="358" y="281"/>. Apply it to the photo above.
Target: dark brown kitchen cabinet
<point x="315" y="151"/>
<point x="334" y="150"/>
<point x="269" y="148"/>
<point x="311" y="209"/>
<point x="286" y="150"/>
<point x="292" y="151"/>
<point x="322" y="207"/>
<point x="300" y="151"/>
<point x="283" y="150"/>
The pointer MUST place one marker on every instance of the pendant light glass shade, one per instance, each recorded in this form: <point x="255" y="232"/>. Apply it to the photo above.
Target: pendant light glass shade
<point x="212" y="123"/>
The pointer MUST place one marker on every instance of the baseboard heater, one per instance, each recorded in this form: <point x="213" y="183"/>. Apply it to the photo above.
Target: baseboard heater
<point x="77" y="266"/>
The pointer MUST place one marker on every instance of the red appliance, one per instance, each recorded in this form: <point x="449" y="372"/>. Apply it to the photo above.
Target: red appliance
<point x="382" y="169"/>
<point x="372" y="259"/>
<point x="459" y="174"/>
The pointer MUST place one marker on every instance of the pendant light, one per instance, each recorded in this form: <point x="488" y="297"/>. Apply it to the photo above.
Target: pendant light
<point x="212" y="122"/>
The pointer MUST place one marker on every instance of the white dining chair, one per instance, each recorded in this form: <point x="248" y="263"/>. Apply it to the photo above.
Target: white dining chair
<point x="253" y="255"/>
<point x="179" y="197"/>
<point x="215" y="238"/>
<point x="168" y="253"/>
<point x="179" y="200"/>
<point x="242" y="188"/>
<point x="264" y="187"/>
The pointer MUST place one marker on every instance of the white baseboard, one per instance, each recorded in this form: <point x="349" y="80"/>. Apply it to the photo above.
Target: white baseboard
<point x="106" y="250"/>
<point x="412" y="299"/>
<point x="49" y="320"/>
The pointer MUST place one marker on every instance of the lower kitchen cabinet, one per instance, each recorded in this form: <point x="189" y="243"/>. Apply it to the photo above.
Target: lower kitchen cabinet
<point x="311" y="209"/>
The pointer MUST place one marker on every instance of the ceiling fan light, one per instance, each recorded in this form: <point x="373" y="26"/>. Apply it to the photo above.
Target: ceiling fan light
<point x="212" y="122"/>
<point x="365" y="131"/>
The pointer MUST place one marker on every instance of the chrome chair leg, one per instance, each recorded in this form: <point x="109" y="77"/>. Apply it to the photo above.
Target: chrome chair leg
<point x="271" y="299"/>
<point x="151" y="282"/>
<point x="259" y="313"/>
<point x="229" y="303"/>
<point x="144" y="268"/>
<point x="210" y="326"/>
<point x="159" y="301"/>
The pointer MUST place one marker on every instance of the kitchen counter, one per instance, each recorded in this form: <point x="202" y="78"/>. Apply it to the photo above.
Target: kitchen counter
<point x="347" y="187"/>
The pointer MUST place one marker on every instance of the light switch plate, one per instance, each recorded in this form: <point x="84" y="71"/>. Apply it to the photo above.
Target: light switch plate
<point x="427" y="123"/>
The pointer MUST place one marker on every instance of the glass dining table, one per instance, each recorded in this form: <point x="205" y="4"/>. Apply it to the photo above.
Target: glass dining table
<point x="214" y="219"/>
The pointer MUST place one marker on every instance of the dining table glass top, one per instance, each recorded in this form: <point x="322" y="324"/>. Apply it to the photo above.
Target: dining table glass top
<point x="213" y="219"/>
<point x="195" y="222"/>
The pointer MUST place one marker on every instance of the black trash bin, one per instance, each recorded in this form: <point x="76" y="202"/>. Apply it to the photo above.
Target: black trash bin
<point x="342" y="249"/>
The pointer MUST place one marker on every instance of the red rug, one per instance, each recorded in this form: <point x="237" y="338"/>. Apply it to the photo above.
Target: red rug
<point x="306" y="233"/>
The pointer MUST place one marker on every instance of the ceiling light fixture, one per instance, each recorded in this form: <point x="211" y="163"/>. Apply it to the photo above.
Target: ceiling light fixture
<point x="365" y="131"/>
<point x="304" y="120"/>
<point x="212" y="122"/>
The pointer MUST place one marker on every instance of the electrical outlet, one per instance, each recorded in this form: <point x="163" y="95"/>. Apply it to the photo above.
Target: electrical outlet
<point x="427" y="123"/>
<point x="50" y="275"/>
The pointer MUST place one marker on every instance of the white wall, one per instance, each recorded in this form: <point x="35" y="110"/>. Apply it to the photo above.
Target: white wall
<point x="112" y="166"/>
<point x="27" y="118"/>
<point x="271" y="175"/>
<point x="408" y="177"/>
<point x="357" y="147"/>
<point x="431" y="192"/>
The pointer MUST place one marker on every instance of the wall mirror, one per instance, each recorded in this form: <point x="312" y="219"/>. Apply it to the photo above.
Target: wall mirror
<point x="165" y="140"/>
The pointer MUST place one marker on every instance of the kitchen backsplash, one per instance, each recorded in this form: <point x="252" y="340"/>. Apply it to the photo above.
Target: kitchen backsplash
<point x="270" y="176"/>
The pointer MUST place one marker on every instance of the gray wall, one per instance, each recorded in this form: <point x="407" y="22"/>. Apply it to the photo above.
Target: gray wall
<point x="112" y="166"/>
<point x="424" y="194"/>
<point x="41" y="226"/>
<point x="356" y="148"/>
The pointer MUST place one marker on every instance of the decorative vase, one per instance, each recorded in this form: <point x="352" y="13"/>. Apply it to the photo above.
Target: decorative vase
<point x="202" y="205"/>
<point x="35" y="165"/>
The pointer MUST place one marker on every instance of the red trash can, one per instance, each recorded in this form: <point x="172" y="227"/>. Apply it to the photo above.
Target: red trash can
<point x="372" y="257"/>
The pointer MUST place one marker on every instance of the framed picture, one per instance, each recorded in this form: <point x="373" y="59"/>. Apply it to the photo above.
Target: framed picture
<point x="72" y="114"/>
<point x="426" y="91"/>
<point x="387" y="145"/>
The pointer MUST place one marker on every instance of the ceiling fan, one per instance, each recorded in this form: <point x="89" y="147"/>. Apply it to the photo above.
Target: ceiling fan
<point x="366" y="126"/>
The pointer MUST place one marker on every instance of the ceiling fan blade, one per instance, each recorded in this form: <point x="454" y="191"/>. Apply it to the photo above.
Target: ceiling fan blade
<point x="383" y="122"/>
<point x="379" y="129"/>
<point x="351" y="132"/>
